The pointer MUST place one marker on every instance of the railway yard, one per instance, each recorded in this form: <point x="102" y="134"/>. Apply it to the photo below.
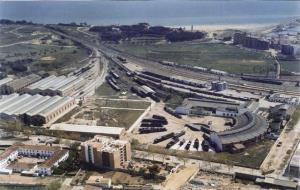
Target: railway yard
<point x="199" y="125"/>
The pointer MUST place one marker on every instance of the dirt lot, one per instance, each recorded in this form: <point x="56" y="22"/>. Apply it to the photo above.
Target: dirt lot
<point x="111" y="112"/>
<point x="211" y="181"/>
<point x="179" y="178"/>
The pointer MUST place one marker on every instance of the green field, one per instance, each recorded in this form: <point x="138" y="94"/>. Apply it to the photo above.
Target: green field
<point x="122" y="104"/>
<point x="211" y="55"/>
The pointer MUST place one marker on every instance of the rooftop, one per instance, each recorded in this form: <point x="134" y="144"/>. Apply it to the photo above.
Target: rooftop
<point x="88" y="129"/>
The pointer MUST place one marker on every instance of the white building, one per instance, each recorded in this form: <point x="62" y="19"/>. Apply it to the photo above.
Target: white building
<point x="53" y="156"/>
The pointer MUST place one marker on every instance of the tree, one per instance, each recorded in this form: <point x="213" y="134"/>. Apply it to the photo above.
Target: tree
<point x="27" y="133"/>
<point x="54" y="185"/>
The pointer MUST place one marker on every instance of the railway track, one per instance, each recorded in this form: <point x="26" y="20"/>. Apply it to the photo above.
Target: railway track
<point x="232" y="82"/>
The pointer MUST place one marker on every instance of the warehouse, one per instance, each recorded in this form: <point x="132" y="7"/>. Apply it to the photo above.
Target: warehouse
<point x="35" y="110"/>
<point x="18" y="85"/>
<point x="80" y="131"/>
<point x="52" y="86"/>
<point x="213" y="107"/>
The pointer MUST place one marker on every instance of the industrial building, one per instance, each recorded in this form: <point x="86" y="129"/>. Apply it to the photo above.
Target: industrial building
<point x="249" y="127"/>
<point x="18" y="85"/>
<point x="53" y="85"/>
<point x="54" y="156"/>
<point x="4" y="81"/>
<point x="200" y="106"/>
<point x="82" y="131"/>
<point x="290" y="50"/>
<point x="218" y="85"/>
<point x="104" y="152"/>
<point x="284" y="99"/>
<point x="35" y="110"/>
<point x="250" y="41"/>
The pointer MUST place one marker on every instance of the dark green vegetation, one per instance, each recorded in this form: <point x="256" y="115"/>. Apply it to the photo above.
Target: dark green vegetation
<point x="34" y="48"/>
<point x="211" y="55"/>
<point x="252" y="157"/>
<point x="71" y="164"/>
<point x="293" y="120"/>
<point x="124" y="32"/>
<point x="292" y="66"/>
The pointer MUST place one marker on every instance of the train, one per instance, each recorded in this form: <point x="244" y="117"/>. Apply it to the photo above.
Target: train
<point x="149" y="125"/>
<point x="155" y="121"/>
<point x="115" y="75"/>
<point x="172" y="112"/>
<point x="196" y="144"/>
<point x="262" y="80"/>
<point x="123" y="60"/>
<point x="113" y="85"/>
<point x="163" y="138"/>
<point x="172" y="142"/>
<point x="151" y="130"/>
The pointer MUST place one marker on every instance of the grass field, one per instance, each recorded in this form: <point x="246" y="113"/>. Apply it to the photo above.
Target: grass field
<point x="252" y="157"/>
<point x="218" y="56"/>
<point x="122" y="104"/>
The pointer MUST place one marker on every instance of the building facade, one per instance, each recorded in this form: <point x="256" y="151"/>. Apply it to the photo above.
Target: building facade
<point x="104" y="152"/>
<point x="53" y="156"/>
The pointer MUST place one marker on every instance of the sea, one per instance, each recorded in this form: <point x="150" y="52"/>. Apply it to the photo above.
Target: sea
<point x="154" y="12"/>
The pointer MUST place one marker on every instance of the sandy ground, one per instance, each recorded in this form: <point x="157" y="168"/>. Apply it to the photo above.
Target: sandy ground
<point x="49" y="58"/>
<point x="179" y="178"/>
<point x="133" y="67"/>
<point x="16" y="178"/>
<point x="214" y="181"/>
<point x="176" y="125"/>
<point x="277" y="157"/>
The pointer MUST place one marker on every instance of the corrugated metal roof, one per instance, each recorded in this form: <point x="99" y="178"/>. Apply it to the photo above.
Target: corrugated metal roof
<point x="11" y="109"/>
<point x="13" y="102"/>
<point x="69" y="85"/>
<point x="7" y="98"/>
<point x="42" y="106"/>
<point x="51" y="83"/>
<point x="55" y="105"/>
<point x="33" y="101"/>
<point x="41" y="82"/>
<point x="5" y="80"/>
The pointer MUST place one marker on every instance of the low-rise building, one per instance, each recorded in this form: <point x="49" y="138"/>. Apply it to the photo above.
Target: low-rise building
<point x="284" y="99"/>
<point x="88" y="130"/>
<point x="53" y="86"/>
<point x="104" y="152"/>
<point x="18" y="85"/>
<point x="53" y="155"/>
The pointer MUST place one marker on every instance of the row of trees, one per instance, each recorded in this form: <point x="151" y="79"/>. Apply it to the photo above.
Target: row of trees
<point x="117" y="33"/>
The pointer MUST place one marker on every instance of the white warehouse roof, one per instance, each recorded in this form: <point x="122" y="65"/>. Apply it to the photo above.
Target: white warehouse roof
<point x="103" y="130"/>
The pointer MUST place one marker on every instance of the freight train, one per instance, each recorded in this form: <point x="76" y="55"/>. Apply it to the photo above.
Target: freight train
<point x="163" y="138"/>
<point x="262" y="80"/>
